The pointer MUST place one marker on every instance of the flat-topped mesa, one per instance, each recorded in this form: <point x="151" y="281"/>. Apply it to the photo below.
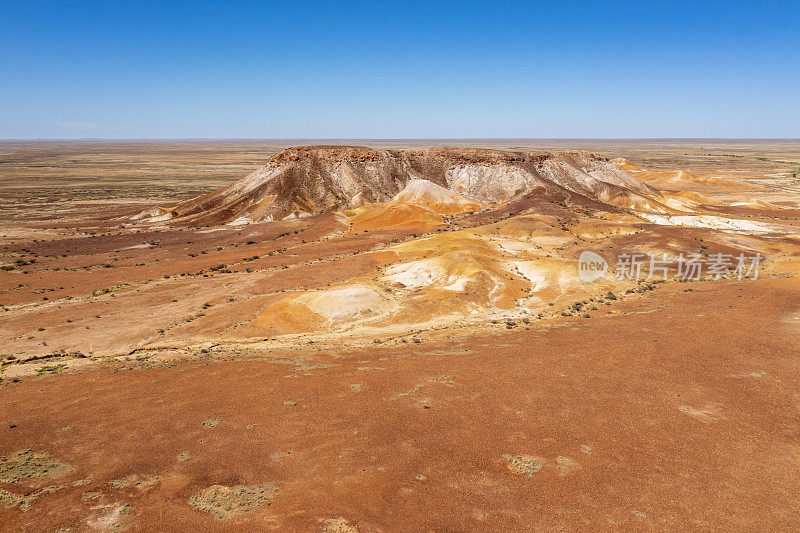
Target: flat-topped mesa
<point x="307" y="180"/>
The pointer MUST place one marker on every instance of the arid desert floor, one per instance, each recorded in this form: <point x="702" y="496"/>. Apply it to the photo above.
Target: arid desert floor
<point x="394" y="336"/>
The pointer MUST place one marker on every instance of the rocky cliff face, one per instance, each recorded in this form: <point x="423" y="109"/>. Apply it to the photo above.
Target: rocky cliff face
<point x="309" y="180"/>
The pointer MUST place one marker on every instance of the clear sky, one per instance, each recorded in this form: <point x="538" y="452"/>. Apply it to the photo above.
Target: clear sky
<point x="71" y="69"/>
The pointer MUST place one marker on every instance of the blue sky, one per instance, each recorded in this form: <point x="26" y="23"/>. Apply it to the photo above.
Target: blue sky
<point x="399" y="70"/>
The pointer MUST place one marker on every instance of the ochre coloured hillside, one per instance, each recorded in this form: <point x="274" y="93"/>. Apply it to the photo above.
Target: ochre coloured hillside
<point x="333" y="243"/>
<point x="443" y="236"/>
<point x="310" y="180"/>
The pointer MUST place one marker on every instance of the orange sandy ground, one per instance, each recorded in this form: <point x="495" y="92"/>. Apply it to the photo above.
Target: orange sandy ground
<point x="678" y="413"/>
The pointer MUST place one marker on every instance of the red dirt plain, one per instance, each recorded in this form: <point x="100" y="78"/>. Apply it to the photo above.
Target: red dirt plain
<point x="669" y="409"/>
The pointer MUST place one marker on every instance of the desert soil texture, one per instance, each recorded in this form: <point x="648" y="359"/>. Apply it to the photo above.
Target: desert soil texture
<point x="370" y="336"/>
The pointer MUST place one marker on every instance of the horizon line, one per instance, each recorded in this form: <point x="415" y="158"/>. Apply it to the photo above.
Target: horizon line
<point x="384" y="139"/>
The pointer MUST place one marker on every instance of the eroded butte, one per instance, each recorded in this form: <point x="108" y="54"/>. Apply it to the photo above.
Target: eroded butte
<point x="382" y="339"/>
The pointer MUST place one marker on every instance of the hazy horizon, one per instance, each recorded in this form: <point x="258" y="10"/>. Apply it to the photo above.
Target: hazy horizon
<point x="391" y="139"/>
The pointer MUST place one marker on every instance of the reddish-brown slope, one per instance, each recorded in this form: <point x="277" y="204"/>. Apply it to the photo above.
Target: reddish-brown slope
<point x="312" y="179"/>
